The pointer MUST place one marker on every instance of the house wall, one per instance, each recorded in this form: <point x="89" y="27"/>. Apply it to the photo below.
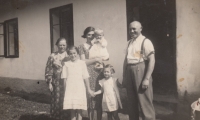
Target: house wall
<point x="27" y="72"/>
<point x="188" y="57"/>
<point x="34" y="33"/>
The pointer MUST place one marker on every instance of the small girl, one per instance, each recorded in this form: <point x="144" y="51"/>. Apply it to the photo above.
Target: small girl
<point x="111" y="99"/>
<point x="99" y="46"/>
<point x="76" y="76"/>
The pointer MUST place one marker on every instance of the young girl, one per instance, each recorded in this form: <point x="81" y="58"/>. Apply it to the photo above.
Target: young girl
<point x="111" y="99"/>
<point x="75" y="74"/>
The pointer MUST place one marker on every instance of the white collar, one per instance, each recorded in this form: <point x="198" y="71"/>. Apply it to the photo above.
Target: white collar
<point x="140" y="37"/>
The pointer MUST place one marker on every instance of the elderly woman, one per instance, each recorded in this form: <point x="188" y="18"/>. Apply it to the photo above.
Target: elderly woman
<point x="53" y="78"/>
<point x="94" y="103"/>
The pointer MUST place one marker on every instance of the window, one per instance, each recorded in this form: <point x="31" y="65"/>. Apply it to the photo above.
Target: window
<point x="61" y="25"/>
<point x="1" y="40"/>
<point x="9" y="39"/>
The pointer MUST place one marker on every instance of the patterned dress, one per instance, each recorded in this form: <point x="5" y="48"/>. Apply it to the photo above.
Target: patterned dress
<point x="95" y="76"/>
<point x="52" y="74"/>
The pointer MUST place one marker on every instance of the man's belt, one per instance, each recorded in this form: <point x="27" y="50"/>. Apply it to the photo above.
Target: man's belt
<point x="134" y="62"/>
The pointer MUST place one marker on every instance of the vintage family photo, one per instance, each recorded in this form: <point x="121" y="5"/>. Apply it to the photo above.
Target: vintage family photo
<point x="99" y="60"/>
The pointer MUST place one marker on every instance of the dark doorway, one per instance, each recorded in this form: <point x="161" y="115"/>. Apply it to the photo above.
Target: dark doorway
<point x="158" y="18"/>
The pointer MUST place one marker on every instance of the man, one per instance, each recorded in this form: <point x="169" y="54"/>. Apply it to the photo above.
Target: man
<point x="138" y="66"/>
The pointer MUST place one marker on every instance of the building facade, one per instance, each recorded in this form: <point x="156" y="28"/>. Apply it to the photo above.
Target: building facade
<point x="22" y="64"/>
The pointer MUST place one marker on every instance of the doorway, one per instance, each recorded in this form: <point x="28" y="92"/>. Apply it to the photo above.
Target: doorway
<point x="158" y="18"/>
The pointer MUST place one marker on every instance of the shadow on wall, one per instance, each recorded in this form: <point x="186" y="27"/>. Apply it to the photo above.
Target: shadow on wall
<point x="35" y="117"/>
<point x="25" y="85"/>
<point x="34" y="97"/>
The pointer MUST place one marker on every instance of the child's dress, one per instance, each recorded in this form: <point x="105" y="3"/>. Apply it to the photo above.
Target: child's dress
<point x="99" y="50"/>
<point x="75" y="91"/>
<point x="109" y="102"/>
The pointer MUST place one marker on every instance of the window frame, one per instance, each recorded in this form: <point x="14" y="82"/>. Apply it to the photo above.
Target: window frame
<point x="3" y="40"/>
<point x="51" y="11"/>
<point x="16" y="39"/>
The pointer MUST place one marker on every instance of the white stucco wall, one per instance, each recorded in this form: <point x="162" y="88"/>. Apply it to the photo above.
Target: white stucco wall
<point x="188" y="47"/>
<point x="34" y="33"/>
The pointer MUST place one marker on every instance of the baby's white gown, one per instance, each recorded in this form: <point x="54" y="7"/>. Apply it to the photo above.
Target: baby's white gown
<point x="99" y="50"/>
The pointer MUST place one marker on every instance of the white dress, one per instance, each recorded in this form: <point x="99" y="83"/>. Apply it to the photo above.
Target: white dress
<point x="75" y="91"/>
<point x="109" y="102"/>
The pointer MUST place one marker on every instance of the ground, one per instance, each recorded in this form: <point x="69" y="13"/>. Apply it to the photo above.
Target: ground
<point x="17" y="108"/>
<point x="32" y="106"/>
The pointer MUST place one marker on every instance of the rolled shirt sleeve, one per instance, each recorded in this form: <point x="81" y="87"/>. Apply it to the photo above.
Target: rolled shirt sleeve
<point x="148" y="48"/>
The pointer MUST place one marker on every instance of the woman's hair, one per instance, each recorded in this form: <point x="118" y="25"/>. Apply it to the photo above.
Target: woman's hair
<point x="60" y="39"/>
<point x="112" y="70"/>
<point x="72" y="48"/>
<point x="86" y="31"/>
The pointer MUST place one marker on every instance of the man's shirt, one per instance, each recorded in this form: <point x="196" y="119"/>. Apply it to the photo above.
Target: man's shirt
<point x="133" y="50"/>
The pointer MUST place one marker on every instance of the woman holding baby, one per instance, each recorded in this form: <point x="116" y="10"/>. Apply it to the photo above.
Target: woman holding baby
<point x="94" y="51"/>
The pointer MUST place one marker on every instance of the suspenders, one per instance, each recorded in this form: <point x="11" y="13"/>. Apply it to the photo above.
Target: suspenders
<point x="141" y="51"/>
<point x="142" y="47"/>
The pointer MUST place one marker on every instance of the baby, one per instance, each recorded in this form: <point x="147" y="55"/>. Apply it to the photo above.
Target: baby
<point x="99" y="46"/>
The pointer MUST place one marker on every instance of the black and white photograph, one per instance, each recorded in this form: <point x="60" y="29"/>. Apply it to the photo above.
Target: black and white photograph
<point x="99" y="60"/>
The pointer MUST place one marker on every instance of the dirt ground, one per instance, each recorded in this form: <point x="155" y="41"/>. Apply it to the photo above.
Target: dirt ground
<point x="17" y="108"/>
<point x="31" y="106"/>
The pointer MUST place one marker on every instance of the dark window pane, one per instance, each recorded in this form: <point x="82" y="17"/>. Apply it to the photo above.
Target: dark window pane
<point x="11" y="38"/>
<point x="56" y="35"/>
<point x="11" y="44"/>
<point x="1" y="40"/>
<point x="66" y="32"/>
<point x="55" y="18"/>
<point x="11" y="27"/>
<point x="1" y="45"/>
<point x="1" y="28"/>
<point x="61" y="25"/>
<point x="66" y="16"/>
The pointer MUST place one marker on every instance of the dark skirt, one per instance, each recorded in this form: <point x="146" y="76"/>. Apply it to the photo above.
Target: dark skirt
<point x="57" y="97"/>
<point x="94" y="103"/>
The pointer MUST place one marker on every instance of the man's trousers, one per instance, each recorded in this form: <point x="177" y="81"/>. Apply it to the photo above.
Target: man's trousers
<point x="140" y="101"/>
